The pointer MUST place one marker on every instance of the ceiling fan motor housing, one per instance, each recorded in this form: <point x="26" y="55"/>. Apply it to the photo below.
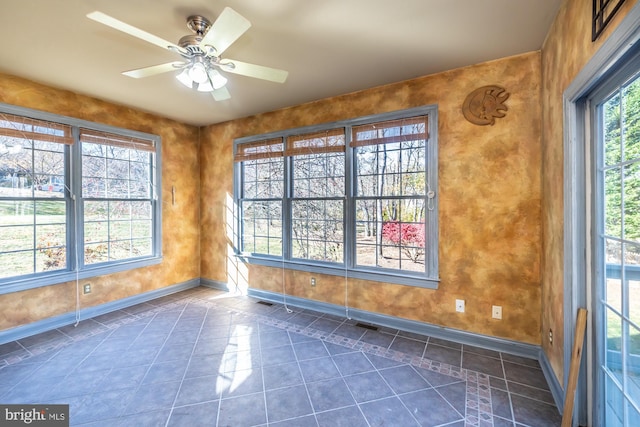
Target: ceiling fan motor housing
<point x="198" y="24"/>
<point x="190" y="42"/>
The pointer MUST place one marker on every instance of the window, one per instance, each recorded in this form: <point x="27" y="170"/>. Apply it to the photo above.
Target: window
<point x="615" y="112"/>
<point x="263" y="190"/>
<point x="603" y="11"/>
<point x="391" y="197"/>
<point x="33" y="199"/>
<point x="75" y="200"/>
<point x="317" y="205"/>
<point x="352" y="197"/>
<point x="117" y="197"/>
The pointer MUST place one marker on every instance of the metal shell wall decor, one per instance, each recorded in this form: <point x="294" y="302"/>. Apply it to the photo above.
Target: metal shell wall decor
<point x="483" y="105"/>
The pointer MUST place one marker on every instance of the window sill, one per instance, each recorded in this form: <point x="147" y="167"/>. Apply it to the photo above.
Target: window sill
<point x="383" y="276"/>
<point x="47" y="279"/>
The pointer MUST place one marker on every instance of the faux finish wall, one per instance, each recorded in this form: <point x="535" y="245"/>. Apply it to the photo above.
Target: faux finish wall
<point x="567" y="49"/>
<point x="180" y="225"/>
<point x="489" y="196"/>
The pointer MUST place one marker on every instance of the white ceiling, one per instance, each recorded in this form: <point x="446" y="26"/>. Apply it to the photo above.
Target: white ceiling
<point x="329" y="47"/>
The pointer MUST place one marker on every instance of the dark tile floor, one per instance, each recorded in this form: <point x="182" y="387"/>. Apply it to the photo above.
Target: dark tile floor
<point x="205" y="357"/>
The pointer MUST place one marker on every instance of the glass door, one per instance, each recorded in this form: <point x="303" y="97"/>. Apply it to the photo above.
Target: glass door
<point x="616" y="301"/>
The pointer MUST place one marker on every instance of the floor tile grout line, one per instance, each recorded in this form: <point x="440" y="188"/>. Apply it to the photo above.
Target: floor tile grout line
<point x="175" y="399"/>
<point x="357" y="404"/>
<point x="189" y="299"/>
<point x="304" y="381"/>
<point x="396" y="395"/>
<point x="264" y="386"/>
<point x="436" y="389"/>
<point x="24" y="348"/>
<point x="228" y="317"/>
<point x="287" y="325"/>
<point x="71" y="372"/>
<point x="531" y="398"/>
<point x="504" y="375"/>
<point x="11" y="389"/>
<point x="528" y="385"/>
<point x="518" y="363"/>
<point x="62" y="344"/>
<point x="466" y="407"/>
<point x="137" y="388"/>
<point x="335" y="339"/>
<point x="19" y="353"/>
<point x="424" y="350"/>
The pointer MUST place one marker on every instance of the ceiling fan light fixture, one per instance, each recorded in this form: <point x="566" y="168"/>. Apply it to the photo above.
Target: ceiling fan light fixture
<point x="184" y="78"/>
<point x="198" y="72"/>
<point x="205" y="87"/>
<point x="217" y="79"/>
<point x="200" y="53"/>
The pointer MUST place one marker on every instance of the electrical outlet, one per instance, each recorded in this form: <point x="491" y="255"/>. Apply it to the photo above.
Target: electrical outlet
<point x="496" y="312"/>
<point x="313" y="281"/>
<point x="460" y="305"/>
<point x="87" y="288"/>
<point x="551" y="336"/>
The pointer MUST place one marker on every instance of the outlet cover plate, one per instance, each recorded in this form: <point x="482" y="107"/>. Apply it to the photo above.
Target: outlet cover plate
<point x="460" y="305"/>
<point x="496" y="312"/>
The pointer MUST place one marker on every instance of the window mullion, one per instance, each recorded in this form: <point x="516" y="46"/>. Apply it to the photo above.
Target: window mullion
<point x="287" y="230"/>
<point x="73" y="172"/>
<point x="349" y="225"/>
<point x="431" y="203"/>
<point x="238" y="186"/>
<point x="34" y="244"/>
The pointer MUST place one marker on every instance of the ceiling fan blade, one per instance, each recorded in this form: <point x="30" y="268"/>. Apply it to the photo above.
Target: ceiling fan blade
<point x="221" y="94"/>
<point x="229" y="26"/>
<point x="153" y="70"/>
<point x="253" y="70"/>
<point x="130" y="29"/>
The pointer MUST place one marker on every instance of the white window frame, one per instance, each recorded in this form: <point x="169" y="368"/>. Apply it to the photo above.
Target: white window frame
<point x="75" y="268"/>
<point x="429" y="279"/>
<point x="615" y="367"/>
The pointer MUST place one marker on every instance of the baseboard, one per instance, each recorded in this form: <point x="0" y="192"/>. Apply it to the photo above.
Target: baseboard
<point x="497" y="344"/>
<point x="463" y="337"/>
<point x="214" y="284"/>
<point x="556" y="388"/>
<point x="59" y="321"/>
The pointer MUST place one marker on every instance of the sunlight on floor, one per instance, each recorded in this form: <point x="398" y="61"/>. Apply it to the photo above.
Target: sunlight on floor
<point x="236" y="364"/>
<point x="237" y="272"/>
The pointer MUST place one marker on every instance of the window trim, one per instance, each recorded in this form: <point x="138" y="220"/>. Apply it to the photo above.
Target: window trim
<point x="75" y="230"/>
<point x="429" y="280"/>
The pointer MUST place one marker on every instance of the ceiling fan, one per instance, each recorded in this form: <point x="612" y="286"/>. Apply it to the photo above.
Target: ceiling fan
<point x="201" y="61"/>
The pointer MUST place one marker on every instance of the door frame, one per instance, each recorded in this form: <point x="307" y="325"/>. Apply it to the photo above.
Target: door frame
<point x="577" y="213"/>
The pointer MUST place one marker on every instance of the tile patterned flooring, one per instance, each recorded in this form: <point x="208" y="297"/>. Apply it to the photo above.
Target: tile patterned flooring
<point x="206" y="357"/>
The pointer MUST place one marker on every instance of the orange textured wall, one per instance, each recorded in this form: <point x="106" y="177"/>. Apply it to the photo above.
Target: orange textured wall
<point x="567" y="49"/>
<point x="489" y="195"/>
<point x="180" y="225"/>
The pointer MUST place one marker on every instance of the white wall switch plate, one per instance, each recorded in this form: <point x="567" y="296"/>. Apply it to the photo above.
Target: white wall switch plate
<point x="460" y="305"/>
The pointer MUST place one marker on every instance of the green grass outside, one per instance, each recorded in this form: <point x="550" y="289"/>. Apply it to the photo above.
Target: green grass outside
<point x="17" y="239"/>
<point x="614" y="323"/>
